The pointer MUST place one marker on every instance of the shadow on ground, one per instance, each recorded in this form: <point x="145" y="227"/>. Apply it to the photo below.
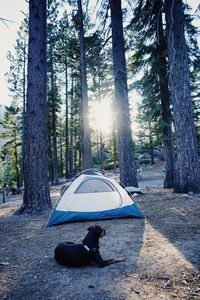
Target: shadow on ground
<point x="177" y="218"/>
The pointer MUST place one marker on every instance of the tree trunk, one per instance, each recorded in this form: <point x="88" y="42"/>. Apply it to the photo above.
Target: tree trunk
<point x="151" y="154"/>
<point x="55" y="159"/>
<point x="50" y="158"/>
<point x="71" y="156"/>
<point x="102" y="148"/>
<point x="61" y="148"/>
<point x="86" y="140"/>
<point x="187" y="176"/>
<point x="36" y="188"/>
<point x="165" y="103"/>
<point x="54" y="119"/>
<point x="66" y="120"/>
<point x="16" y="160"/>
<point x="151" y="144"/>
<point x="76" y="135"/>
<point x="114" y="151"/>
<point x="71" y="130"/>
<point x="23" y="117"/>
<point x="128" y="174"/>
<point x="100" y="129"/>
<point x="98" y="148"/>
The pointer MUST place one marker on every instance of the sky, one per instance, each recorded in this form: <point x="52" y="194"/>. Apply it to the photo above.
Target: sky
<point x="12" y="10"/>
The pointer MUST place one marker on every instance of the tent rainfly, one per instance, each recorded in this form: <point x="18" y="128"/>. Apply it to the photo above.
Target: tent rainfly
<point x="92" y="196"/>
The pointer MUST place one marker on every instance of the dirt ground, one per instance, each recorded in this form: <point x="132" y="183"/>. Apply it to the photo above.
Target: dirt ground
<point x="162" y="253"/>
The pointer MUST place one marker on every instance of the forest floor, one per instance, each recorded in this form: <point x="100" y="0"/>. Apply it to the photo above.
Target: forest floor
<point x="162" y="253"/>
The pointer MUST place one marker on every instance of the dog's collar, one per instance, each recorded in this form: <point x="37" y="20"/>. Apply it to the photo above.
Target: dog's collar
<point x="86" y="247"/>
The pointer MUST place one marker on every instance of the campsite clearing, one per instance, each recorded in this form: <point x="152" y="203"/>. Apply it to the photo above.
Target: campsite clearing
<point x="162" y="254"/>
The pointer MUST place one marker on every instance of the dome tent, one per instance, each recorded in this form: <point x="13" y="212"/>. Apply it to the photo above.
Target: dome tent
<point x="92" y="196"/>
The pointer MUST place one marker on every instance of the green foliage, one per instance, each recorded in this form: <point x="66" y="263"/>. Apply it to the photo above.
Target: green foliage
<point x="143" y="62"/>
<point x="192" y="34"/>
<point x="11" y="149"/>
<point x="18" y="61"/>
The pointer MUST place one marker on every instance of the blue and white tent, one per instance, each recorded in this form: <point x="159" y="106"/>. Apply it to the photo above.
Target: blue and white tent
<point x="93" y="197"/>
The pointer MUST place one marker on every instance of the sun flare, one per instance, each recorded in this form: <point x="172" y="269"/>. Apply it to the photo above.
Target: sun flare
<point x="102" y="116"/>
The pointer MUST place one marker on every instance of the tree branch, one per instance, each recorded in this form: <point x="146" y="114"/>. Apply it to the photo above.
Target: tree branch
<point x="5" y="20"/>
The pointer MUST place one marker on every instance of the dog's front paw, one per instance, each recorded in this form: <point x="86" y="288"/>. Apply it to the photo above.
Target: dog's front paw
<point x="120" y="259"/>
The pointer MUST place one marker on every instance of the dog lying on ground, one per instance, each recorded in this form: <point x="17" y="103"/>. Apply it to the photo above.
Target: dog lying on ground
<point x="78" y="255"/>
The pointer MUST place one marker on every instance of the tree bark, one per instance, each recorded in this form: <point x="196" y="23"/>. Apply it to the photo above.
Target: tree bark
<point x="187" y="176"/>
<point x="71" y="153"/>
<point x="100" y="130"/>
<point x="54" y="120"/>
<point x="86" y="140"/>
<point x="36" y="188"/>
<point x="127" y="164"/>
<point x="61" y="148"/>
<point x="114" y="148"/>
<point x="71" y="130"/>
<point x="23" y="117"/>
<point x="16" y="159"/>
<point x="151" y="144"/>
<point x="165" y="102"/>
<point x="66" y="119"/>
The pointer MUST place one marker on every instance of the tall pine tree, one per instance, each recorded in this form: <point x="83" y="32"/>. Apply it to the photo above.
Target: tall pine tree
<point x="36" y="188"/>
<point x="187" y="164"/>
<point x="127" y="164"/>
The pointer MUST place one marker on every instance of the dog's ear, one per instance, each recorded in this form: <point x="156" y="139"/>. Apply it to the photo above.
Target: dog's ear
<point x="98" y="227"/>
<point x="97" y="230"/>
<point x="95" y="227"/>
<point x="91" y="228"/>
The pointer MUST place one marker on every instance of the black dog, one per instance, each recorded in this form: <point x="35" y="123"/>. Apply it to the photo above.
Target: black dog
<point x="78" y="255"/>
